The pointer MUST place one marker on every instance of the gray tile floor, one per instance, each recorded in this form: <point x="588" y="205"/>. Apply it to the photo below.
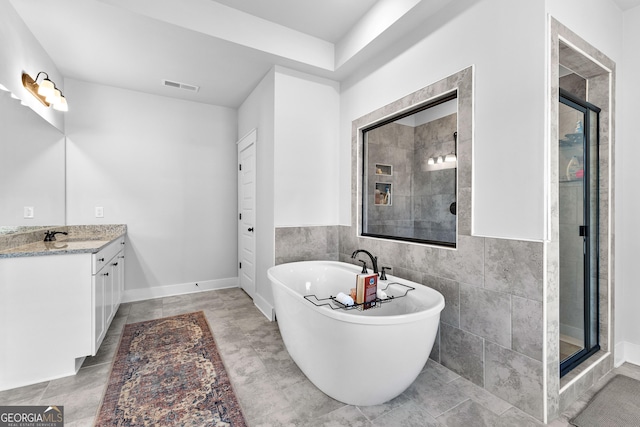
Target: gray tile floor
<point x="272" y="390"/>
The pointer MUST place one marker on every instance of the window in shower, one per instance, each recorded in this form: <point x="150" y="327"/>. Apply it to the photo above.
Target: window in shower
<point x="409" y="174"/>
<point x="578" y="222"/>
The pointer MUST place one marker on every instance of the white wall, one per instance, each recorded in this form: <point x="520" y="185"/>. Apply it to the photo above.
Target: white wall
<point x="257" y="112"/>
<point x="306" y="149"/>
<point x="596" y="21"/>
<point x="628" y="198"/>
<point x="167" y="169"/>
<point x="509" y="60"/>
<point x="20" y="52"/>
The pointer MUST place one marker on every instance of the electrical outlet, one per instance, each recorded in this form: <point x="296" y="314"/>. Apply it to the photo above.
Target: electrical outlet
<point x="99" y="212"/>
<point x="28" y="212"/>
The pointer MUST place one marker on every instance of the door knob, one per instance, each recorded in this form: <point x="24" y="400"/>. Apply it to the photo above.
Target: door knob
<point x="250" y="229"/>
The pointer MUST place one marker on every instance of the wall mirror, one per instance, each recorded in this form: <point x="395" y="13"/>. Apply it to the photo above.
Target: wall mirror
<point x="32" y="169"/>
<point x="409" y="189"/>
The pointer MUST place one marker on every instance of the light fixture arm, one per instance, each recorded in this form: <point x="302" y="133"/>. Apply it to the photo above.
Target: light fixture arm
<point x="38" y="75"/>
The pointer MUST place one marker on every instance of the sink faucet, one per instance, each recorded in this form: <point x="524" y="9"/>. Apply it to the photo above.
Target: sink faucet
<point x="374" y="260"/>
<point x="50" y="236"/>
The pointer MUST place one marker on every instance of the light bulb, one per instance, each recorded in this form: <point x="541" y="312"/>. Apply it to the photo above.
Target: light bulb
<point x="439" y="160"/>
<point x="54" y="98"/>
<point x="62" y="105"/>
<point x="450" y="157"/>
<point x="431" y="161"/>
<point x="46" y="88"/>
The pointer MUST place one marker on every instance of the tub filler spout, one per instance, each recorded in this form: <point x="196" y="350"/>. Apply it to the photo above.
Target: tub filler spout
<point x="374" y="259"/>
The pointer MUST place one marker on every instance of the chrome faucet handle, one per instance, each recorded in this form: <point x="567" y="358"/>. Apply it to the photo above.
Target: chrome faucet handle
<point x="383" y="275"/>
<point x="364" y="266"/>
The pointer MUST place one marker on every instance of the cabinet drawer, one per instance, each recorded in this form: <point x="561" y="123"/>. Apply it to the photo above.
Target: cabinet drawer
<point x="101" y="258"/>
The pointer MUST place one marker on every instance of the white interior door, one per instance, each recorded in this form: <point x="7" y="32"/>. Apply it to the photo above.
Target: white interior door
<point x="247" y="212"/>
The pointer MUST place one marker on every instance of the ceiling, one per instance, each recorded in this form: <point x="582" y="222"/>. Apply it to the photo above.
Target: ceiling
<point x="224" y="47"/>
<point x="327" y="19"/>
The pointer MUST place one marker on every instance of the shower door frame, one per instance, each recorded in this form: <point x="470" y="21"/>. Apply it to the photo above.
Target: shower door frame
<point x="592" y="227"/>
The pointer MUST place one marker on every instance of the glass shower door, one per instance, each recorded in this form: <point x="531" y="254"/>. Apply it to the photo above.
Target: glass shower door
<point x="578" y="223"/>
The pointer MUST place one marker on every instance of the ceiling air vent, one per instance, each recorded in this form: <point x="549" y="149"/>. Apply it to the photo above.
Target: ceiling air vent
<point x="178" y="85"/>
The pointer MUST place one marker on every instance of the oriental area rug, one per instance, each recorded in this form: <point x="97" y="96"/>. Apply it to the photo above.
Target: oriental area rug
<point x="168" y="372"/>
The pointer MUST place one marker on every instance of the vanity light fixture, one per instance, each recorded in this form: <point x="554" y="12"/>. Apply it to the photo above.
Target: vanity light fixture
<point x="451" y="157"/>
<point x="3" y="88"/>
<point x="431" y="161"/>
<point x="440" y="160"/>
<point x="45" y="91"/>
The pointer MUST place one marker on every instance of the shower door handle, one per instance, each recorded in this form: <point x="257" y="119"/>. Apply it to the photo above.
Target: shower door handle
<point x="583" y="230"/>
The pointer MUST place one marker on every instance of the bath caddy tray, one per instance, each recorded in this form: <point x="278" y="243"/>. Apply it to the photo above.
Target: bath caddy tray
<point x="334" y="304"/>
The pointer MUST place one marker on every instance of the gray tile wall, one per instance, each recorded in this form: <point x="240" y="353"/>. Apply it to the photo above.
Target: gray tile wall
<point x="574" y="84"/>
<point x="306" y="243"/>
<point x="393" y="145"/>
<point x="434" y="190"/>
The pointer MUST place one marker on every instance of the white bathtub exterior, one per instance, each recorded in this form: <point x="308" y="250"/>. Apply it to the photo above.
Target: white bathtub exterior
<point x="357" y="357"/>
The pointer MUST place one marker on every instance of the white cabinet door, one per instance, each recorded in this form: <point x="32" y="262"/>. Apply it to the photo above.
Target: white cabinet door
<point x="121" y="265"/>
<point x="99" y="301"/>
<point x="108" y="273"/>
<point x="116" y="276"/>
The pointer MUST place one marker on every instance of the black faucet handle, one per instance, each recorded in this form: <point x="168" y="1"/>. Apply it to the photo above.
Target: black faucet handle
<point x="364" y="266"/>
<point x="50" y="236"/>
<point x="383" y="275"/>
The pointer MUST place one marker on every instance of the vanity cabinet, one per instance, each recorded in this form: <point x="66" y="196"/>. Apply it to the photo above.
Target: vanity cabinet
<point x="55" y="309"/>
<point x="107" y="286"/>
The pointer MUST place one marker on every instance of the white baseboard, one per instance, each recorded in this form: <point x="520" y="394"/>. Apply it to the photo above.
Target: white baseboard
<point x="627" y="352"/>
<point x="131" y="295"/>
<point x="264" y="306"/>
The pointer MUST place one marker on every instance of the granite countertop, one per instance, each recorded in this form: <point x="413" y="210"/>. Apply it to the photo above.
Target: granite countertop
<point x="81" y="239"/>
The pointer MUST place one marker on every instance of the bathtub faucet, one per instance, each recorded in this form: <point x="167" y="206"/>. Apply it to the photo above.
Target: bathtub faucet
<point x="374" y="260"/>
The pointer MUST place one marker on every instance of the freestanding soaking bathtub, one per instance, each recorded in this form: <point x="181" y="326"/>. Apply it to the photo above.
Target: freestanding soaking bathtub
<point x="357" y="357"/>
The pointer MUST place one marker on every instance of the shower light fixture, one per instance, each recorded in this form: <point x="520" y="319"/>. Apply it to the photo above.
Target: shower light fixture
<point x="46" y="91"/>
